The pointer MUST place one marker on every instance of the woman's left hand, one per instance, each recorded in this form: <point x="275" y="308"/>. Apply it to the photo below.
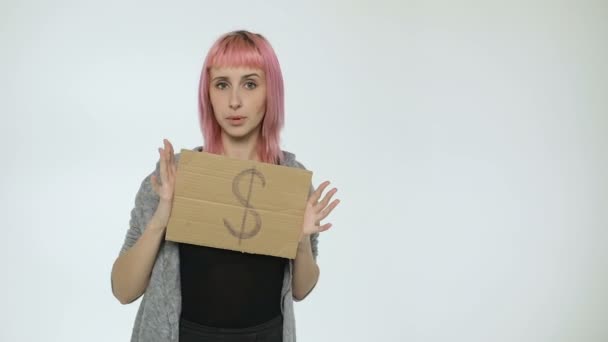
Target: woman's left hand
<point x="317" y="211"/>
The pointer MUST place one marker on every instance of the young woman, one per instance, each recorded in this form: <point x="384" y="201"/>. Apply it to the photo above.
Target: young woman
<point x="196" y="293"/>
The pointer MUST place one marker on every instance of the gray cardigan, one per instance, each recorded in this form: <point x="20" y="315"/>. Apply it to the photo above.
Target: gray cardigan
<point x="159" y="311"/>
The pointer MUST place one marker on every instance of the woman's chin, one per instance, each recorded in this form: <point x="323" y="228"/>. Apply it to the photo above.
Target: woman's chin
<point x="238" y="133"/>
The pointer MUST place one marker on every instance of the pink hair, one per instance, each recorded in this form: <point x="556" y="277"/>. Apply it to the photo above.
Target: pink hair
<point x="245" y="49"/>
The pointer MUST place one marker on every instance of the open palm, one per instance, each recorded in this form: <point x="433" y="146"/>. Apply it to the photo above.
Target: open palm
<point x="318" y="210"/>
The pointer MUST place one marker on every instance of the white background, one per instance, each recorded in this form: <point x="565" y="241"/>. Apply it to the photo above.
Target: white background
<point x="468" y="141"/>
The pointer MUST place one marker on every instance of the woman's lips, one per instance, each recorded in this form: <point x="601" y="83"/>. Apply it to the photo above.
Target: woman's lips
<point x="236" y="120"/>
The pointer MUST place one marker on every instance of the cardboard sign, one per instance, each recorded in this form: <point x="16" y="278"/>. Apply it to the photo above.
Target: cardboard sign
<point x="239" y="205"/>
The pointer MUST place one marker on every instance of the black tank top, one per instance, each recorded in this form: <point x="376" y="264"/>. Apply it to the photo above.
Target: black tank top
<point x="228" y="289"/>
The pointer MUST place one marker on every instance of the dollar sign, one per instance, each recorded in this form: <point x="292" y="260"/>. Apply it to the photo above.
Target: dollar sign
<point x="245" y="201"/>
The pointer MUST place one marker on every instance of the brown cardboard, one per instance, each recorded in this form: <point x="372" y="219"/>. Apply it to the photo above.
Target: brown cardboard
<point x="211" y="206"/>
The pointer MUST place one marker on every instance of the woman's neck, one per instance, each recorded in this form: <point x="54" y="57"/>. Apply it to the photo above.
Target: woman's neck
<point x="244" y="148"/>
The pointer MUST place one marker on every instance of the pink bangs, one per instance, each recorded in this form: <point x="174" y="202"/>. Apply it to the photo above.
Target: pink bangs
<point x="234" y="51"/>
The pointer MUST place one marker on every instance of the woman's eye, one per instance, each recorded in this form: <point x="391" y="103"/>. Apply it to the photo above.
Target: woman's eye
<point x="250" y="85"/>
<point x="220" y="85"/>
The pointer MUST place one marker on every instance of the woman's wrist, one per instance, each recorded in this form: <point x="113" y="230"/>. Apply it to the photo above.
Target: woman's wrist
<point x="304" y="242"/>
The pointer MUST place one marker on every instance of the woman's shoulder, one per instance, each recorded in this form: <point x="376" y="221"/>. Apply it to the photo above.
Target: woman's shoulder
<point x="289" y="159"/>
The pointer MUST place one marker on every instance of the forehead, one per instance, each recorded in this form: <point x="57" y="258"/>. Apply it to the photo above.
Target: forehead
<point x="234" y="72"/>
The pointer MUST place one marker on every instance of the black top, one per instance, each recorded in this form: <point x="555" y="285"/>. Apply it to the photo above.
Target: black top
<point x="228" y="289"/>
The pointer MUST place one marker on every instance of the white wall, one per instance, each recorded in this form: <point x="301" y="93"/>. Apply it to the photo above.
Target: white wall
<point x="468" y="140"/>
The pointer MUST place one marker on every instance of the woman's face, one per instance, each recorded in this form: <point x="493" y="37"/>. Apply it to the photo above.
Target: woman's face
<point x="238" y="97"/>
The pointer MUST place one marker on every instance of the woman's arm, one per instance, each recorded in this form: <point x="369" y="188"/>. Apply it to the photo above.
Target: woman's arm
<point x="305" y="271"/>
<point x="132" y="269"/>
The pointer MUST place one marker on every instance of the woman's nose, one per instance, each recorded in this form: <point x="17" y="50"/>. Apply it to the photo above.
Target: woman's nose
<point x="235" y="101"/>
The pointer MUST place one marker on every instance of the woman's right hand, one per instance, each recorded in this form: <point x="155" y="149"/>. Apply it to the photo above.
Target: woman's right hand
<point x="166" y="187"/>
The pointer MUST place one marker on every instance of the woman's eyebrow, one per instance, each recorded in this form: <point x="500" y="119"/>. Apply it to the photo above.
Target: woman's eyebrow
<point x="250" y="75"/>
<point x="243" y="77"/>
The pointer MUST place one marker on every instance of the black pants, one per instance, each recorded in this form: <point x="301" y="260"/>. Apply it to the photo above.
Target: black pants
<point x="271" y="331"/>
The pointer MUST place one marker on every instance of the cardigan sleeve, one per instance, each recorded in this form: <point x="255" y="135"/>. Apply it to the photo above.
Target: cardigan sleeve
<point x="145" y="204"/>
<point x="135" y="228"/>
